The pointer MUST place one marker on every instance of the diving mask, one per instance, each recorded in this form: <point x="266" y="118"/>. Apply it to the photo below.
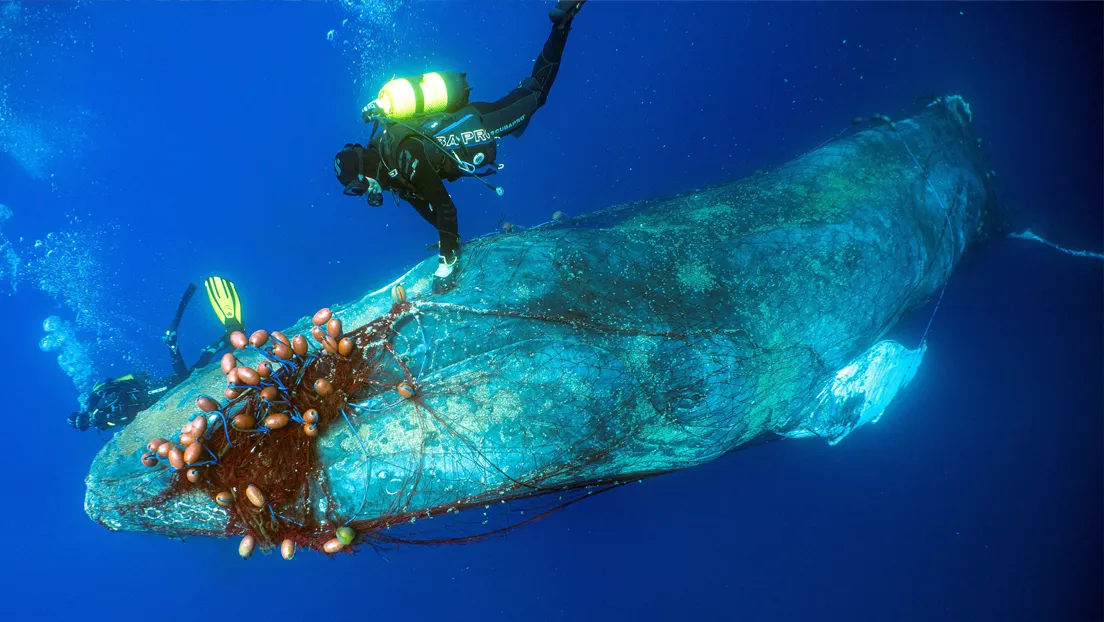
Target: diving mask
<point x="79" y="420"/>
<point x="349" y="165"/>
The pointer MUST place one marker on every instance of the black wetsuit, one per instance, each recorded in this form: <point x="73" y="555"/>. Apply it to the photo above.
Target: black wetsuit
<point x="181" y="371"/>
<point x="116" y="401"/>
<point x="507" y="116"/>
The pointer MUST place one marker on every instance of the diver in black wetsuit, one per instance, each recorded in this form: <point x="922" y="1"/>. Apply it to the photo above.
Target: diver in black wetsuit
<point x="115" y="402"/>
<point x="397" y="158"/>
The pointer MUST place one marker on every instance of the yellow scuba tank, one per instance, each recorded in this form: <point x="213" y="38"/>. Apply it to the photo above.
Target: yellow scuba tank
<point x="402" y="98"/>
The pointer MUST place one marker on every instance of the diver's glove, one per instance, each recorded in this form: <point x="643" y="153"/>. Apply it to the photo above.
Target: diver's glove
<point x="169" y="339"/>
<point x="445" y="265"/>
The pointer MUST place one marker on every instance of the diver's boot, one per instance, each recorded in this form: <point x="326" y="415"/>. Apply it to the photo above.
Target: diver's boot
<point x="564" y="11"/>
<point x="445" y="266"/>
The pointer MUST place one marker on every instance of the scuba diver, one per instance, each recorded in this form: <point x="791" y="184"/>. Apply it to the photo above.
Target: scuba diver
<point x="428" y="124"/>
<point x="116" y="401"/>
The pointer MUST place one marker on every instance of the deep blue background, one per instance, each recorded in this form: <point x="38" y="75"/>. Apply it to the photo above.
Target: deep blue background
<point x="209" y="144"/>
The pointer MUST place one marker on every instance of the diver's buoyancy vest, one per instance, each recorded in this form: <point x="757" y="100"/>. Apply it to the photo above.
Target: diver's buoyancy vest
<point x="460" y="145"/>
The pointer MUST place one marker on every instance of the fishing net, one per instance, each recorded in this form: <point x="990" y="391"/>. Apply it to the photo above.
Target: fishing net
<point x="585" y="353"/>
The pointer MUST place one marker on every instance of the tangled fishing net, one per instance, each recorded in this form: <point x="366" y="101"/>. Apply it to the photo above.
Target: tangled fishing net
<point x="569" y="358"/>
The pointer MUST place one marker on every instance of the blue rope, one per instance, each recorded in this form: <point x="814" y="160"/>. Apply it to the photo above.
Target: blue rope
<point x="932" y="318"/>
<point x="364" y="409"/>
<point x="282" y="517"/>
<point x="225" y="426"/>
<point x="947" y="225"/>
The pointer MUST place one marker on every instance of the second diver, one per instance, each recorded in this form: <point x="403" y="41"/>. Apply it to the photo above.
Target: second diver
<point x="426" y="141"/>
<point x="116" y="401"/>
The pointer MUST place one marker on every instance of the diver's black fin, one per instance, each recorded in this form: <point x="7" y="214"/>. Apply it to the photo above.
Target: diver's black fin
<point x="565" y="11"/>
<point x="180" y="308"/>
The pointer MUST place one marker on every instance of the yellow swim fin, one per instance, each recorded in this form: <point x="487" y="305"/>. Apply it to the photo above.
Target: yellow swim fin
<point x="224" y="300"/>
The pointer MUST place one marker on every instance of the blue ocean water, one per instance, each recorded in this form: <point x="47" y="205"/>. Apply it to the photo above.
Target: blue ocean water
<point x="147" y="145"/>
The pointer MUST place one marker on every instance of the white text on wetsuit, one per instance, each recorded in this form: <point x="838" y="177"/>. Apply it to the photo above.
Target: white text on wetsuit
<point x="466" y="138"/>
